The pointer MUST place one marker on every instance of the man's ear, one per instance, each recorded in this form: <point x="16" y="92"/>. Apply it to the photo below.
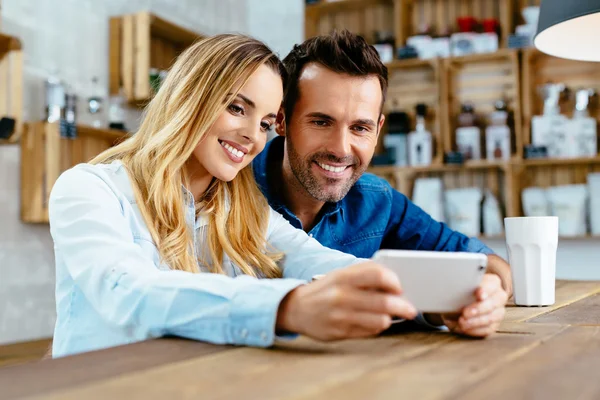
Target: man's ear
<point x="280" y="122"/>
<point x="380" y="125"/>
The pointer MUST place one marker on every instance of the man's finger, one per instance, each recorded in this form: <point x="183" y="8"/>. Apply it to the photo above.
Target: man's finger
<point x="492" y="318"/>
<point x="490" y="284"/>
<point x="498" y="299"/>
<point x="480" y="332"/>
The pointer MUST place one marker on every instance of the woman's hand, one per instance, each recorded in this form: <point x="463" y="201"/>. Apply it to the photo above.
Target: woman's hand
<point x="354" y="302"/>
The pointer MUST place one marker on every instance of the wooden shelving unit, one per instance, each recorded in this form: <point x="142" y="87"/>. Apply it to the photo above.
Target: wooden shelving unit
<point x="510" y="75"/>
<point x="442" y="15"/>
<point x="483" y="79"/>
<point x="361" y="16"/>
<point x="495" y="176"/>
<point x="539" y="69"/>
<point x="404" y="18"/>
<point x="45" y="154"/>
<point x="11" y="84"/>
<point x="418" y="81"/>
<point x="139" y="42"/>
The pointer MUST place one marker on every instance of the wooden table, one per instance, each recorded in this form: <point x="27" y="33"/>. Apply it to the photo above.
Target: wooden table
<point x="539" y="353"/>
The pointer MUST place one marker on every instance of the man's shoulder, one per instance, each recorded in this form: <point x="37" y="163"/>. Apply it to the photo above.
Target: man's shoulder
<point x="371" y="183"/>
<point x="374" y="191"/>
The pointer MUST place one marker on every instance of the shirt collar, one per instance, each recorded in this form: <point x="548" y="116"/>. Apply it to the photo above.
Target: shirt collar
<point x="190" y="204"/>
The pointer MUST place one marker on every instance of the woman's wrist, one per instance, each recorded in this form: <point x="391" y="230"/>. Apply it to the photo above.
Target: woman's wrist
<point x="285" y="319"/>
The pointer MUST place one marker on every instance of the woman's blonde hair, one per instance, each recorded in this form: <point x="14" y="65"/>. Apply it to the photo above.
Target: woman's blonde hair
<point x="198" y="88"/>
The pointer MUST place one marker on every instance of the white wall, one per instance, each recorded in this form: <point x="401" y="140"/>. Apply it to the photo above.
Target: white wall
<point x="71" y="36"/>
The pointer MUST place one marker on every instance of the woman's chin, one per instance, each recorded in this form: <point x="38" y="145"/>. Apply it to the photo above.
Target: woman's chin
<point x="226" y="176"/>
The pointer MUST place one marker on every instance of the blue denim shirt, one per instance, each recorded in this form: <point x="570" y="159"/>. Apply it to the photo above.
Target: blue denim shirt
<point x="113" y="289"/>
<point x="372" y="216"/>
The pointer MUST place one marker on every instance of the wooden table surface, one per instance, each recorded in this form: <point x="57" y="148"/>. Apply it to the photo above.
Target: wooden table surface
<point x="539" y="353"/>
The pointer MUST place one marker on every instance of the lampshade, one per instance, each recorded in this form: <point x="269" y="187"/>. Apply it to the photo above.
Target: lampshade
<point x="569" y="29"/>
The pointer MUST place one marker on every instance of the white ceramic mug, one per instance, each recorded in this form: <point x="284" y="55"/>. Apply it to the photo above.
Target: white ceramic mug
<point x="531" y="243"/>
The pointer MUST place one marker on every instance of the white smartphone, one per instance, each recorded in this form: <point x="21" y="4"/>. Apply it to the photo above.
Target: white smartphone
<point x="436" y="282"/>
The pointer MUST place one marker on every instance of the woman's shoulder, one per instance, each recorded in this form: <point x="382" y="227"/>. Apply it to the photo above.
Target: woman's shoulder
<point x="90" y="177"/>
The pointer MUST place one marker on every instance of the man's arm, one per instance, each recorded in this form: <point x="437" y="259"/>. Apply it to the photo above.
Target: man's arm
<point x="497" y="265"/>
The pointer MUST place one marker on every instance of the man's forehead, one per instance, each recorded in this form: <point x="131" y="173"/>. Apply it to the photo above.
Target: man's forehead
<point x="318" y="85"/>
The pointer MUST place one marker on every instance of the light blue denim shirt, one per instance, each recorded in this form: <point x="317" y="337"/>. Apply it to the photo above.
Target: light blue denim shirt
<point x="111" y="288"/>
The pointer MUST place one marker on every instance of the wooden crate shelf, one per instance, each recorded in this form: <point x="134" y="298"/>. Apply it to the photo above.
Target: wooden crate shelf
<point x="441" y="15"/>
<point x="483" y="79"/>
<point x="544" y="162"/>
<point x="403" y="17"/>
<point x="45" y="154"/>
<point x="547" y="173"/>
<point x="440" y="168"/>
<point x="360" y="16"/>
<point x="418" y="81"/>
<point x="139" y="42"/>
<point x="495" y="176"/>
<point x="539" y="69"/>
<point x="11" y="84"/>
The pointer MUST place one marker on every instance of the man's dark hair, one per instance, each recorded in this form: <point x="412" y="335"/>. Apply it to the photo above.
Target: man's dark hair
<point x="343" y="52"/>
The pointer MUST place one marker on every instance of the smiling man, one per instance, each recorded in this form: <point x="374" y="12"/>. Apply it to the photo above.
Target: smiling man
<point x="314" y="173"/>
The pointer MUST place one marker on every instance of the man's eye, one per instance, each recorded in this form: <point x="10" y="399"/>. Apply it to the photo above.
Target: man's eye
<point x="361" y="129"/>
<point x="320" y="123"/>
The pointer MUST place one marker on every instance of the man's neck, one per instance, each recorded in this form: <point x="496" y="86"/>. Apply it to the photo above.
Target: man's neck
<point x="298" y="200"/>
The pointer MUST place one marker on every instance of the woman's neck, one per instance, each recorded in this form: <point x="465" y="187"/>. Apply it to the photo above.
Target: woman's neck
<point x="198" y="178"/>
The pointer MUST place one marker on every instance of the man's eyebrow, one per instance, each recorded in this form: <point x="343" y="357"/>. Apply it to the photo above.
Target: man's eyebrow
<point x="320" y="115"/>
<point x="368" y="122"/>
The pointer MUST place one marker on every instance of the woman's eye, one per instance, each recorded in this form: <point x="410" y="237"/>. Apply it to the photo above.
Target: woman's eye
<point x="236" y="109"/>
<point x="266" y="126"/>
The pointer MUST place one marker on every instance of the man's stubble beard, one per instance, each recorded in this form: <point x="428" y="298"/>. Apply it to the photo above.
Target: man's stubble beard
<point x="302" y="170"/>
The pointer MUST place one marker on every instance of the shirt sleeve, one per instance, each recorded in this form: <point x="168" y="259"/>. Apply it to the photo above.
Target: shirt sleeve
<point x="97" y="248"/>
<point x="411" y="228"/>
<point x="304" y="256"/>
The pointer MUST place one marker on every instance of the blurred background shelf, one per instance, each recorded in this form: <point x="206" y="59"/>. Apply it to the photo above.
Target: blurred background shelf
<point x="360" y="16"/>
<point x="11" y="84"/>
<point x="45" y="154"/>
<point x="543" y="162"/>
<point x="469" y="165"/>
<point x="138" y="43"/>
<point x="444" y="85"/>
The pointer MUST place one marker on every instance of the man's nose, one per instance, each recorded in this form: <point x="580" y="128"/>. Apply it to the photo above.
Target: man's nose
<point x="339" y="143"/>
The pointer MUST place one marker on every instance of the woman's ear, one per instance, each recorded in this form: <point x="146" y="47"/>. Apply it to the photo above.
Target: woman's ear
<point x="280" y="122"/>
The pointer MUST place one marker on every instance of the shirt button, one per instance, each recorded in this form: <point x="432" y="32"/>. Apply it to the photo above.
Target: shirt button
<point x="244" y="333"/>
<point x="311" y="235"/>
<point x="264" y="336"/>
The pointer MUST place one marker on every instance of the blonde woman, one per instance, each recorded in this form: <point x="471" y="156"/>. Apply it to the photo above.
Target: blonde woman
<point x="168" y="234"/>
